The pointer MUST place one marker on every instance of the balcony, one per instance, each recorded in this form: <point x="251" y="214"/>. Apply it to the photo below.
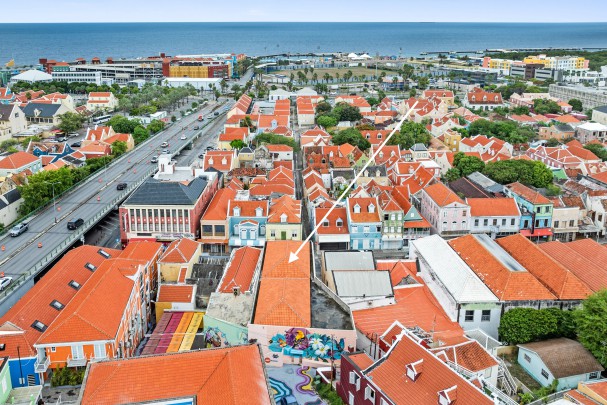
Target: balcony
<point x="81" y="362"/>
<point x="42" y="365"/>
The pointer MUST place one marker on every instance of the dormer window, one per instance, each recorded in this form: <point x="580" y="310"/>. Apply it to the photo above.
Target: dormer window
<point x="283" y="218"/>
<point x="448" y="396"/>
<point x="211" y="161"/>
<point x="236" y="211"/>
<point x="224" y="161"/>
<point x="381" y="154"/>
<point x="378" y="136"/>
<point x="414" y="369"/>
<point x="259" y="212"/>
<point x="371" y="208"/>
<point x="366" y="173"/>
<point x="357" y="209"/>
<point x="339" y="222"/>
<point x="368" y="136"/>
<point x="325" y="223"/>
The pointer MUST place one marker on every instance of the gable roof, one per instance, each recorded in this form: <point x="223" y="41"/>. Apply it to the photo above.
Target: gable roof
<point x="469" y="355"/>
<point x="17" y="160"/>
<point x="45" y="110"/>
<point x="455" y="275"/>
<point x="284" y="290"/>
<point x="218" y="207"/>
<point x="364" y="215"/>
<point x="442" y="195"/>
<point x="215" y="377"/>
<point x="180" y="251"/>
<point x="506" y="278"/>
<point x="493" y="207"/>
<point x="287" y="206"/>
<point x="564" y="357"/>
<point x="239" y="272"/>
<point x="434" y="378"/>
<point x="528" y="194"/>
<point x="560" y="281"/>
<point x="183" y="293"/>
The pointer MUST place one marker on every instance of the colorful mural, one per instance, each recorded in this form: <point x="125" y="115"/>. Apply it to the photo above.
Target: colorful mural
<point x="299" y="342"/>
<point x="293" y="382"/>
<point x="214" y="337"/>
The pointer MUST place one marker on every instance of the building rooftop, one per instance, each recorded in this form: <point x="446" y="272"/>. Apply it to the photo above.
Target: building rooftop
<point x="469" y="355"/>
<point x="215" y="376"/>
<point x="180" y="251"/>
<point x="183" y="293"/>
<point x="349" y="260"/>
<point x="240" y="270"/>
<point x="235" y="309"/>
<point x="155" y="192"/>
<point x="564" y="357"/>
<point x="362" y="283"/>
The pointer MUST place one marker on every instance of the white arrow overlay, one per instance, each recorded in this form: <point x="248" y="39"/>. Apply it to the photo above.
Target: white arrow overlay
<point x="295" y="255"/>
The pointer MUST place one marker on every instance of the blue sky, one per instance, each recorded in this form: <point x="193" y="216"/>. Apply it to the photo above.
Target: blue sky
<point x="308" y="10"/>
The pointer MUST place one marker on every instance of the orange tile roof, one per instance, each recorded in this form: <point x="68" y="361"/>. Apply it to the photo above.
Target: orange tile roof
<point x="284" y="290"/>
<point x="266" y="121"/>
<point x="279" y="148"/>
<point x="218" y="208"/>
<point x="215" y="377"/>
<point x="362" y="360"/>
<point x="399" y="270"/>
<point x="118" y="137"/>
<point x="567" y="119"/>
<point x="176" y="293"/>
<point x="560" y="281"/>
<point x="15" y="341"/>
<point x="100" y="94"/>
<point x="507" y="285"/>
<point x="415" y="306"/>
<point x="435" y="378"/>
<point x="334" y="215"/>
<point x="232" y="134"/>
<point x="216" y="159"/>
<point x="469" y="355"/>
<point x="583" y="262"/>
<point x="247" y="208"/>
<point x="142" y="250"/>
<point x="442" y="195"/>
<point x="364" y="215"/>
<point x="493" y="207"/>
<point x="180" y="251"/>
<point x="534" y="197"/>
<point x="240" y="270"/>
<point x="285" y="205"/>
<point x="54" y="285"/>
<point x="17" y="160"/>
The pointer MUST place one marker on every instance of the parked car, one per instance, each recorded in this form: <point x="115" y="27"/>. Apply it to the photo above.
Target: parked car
<point x="210" y="147"/>
<point x="75" y="223"/>
<point x="72" y="134"/>
<point x="183" y="137"/>
<point x="164" y="144"/>
<point x="196" y="127"/>
<point x="120" y="186"/>
<point x="5" y="282"/>
<point x="154" y="159"/>
<point x="19" y="229"/>
<point x="76" y="144"/>
<point x="166" y="151"/>
<point x="201" y="156"/>
<point x="216" y="113"/>
<point x="61" y="139"/>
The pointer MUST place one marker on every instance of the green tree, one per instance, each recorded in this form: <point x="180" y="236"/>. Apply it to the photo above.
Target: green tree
<point x="598" y="150"/>
<point x="453" y="174"/>
<point x="71" y="122"/>
<point x="140" y="134"/>
<point x="470" y="164"/>
<point x="353" y="137"/>
<point x="524" y="325"/>
<point x="7" y="144"/>
<point x="155" y="126"/>
<point x="530" y="172"/>
<point x="521" y="110"/>
<point x="552" y="142"/>
<point x="123" y="125"/>
<point x="323" y="108"/>
<point x="347" y="112"/>
<point x="274" y="139"/>
<point x="326" y="121"/>
<point x="410" y="134"/>
<point x="39" y="188"/>
<point x="576" y="104"/>
<point x="591" y="325"/>
<point x="542" y="106"/>
<point x="422" y="83"/>
<point x="237" y="144"/>
<point x="119" y="148"/>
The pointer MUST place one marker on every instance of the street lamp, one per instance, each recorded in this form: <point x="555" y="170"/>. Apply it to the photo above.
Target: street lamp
<point x="52" y="183"/>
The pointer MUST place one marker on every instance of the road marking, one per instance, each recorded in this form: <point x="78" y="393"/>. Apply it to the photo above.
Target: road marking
<point x="293" y="256"/>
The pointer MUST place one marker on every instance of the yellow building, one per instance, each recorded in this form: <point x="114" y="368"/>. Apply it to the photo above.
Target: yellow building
<point x="500" y="64"/>
<point x="284" y="219"/>
<point x="452" y="140"/>
<point x="195" y="71"/>
<point x="178" y="260"/>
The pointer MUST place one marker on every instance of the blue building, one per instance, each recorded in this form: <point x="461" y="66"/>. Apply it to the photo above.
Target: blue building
<point x="54" y="150"/>
<point x="21" y="356"/>
<point x="536" y="210"/>
<point x="364" y="222"/>
<point x="559" y="359"/>
<point x="247" y="222"/>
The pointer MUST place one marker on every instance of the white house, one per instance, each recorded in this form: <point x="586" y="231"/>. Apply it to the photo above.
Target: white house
<point x="12" y="121"/>
<point x="494" y="216"/>
<point x="448" y="214"/>
<point x="463" y="296"/>
<point x="101" y="100"/>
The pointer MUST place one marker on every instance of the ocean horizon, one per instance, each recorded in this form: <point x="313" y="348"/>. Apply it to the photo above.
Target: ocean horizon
<point x="27" y="42"/>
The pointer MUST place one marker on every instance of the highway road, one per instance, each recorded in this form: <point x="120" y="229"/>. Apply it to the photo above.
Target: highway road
<point x="24" y="256"/>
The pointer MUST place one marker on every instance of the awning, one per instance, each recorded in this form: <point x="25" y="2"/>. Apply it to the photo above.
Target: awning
<point x="213" y="241"/>
<point x="537" y="232"/>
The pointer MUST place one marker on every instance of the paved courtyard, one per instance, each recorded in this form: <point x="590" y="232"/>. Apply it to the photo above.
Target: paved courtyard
<point x="294" y="380"/>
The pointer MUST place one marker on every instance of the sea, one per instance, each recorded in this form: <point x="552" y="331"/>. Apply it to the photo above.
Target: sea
<point x="26" y="43"/>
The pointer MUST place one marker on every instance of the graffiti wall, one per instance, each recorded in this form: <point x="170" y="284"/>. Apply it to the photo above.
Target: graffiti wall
<point x="306" y="346"/>
<point x="218" y="333"/>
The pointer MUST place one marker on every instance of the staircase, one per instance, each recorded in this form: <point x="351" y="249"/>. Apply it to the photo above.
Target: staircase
<point x="505" y="380"/>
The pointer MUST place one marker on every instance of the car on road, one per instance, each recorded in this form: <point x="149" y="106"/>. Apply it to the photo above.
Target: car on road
<point x="154" y="159"/>
<point x="196" y="127"/>
<point x="210" y="147"/>
<point x="166" y="151"/>
<point x="183" y="137"/>
<point x="216" y="113"/>
<point x="19" y="229"/>
<point x="75" y="223"/>
<point x="61" y="139"/>
<point x="164" y="144"/>
<point x="73" y="134"/>
<point x="201" y="156"/>
<point x="76" y="144"/>
<point x="5" y="282"/>
<point x="120" y="186"/>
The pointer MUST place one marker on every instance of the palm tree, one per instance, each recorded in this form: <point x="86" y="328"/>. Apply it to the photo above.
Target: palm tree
<point x="306" y="70"/>
<point x="337" y="76"/>
<point x="315" y="77"/>
<point x="326" y="77"/>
